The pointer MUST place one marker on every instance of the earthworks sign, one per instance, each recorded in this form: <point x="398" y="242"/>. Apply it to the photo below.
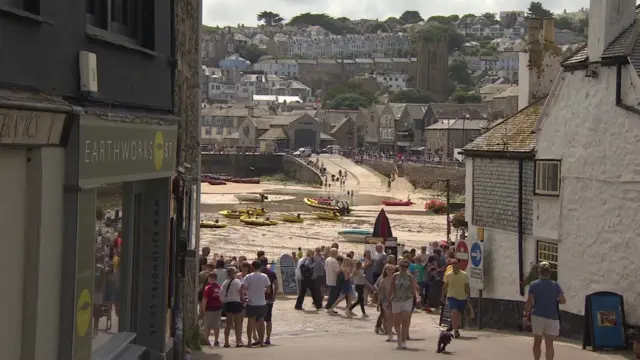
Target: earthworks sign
<point x="113" y="151"/>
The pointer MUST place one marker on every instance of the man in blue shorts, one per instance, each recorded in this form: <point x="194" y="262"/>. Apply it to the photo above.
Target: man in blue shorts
<point x="456" y="290"/>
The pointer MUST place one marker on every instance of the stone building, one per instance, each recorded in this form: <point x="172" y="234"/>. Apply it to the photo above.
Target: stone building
<point x="432" y="69"/>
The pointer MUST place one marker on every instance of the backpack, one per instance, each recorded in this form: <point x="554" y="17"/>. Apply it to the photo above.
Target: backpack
<point x="306" y="270"/>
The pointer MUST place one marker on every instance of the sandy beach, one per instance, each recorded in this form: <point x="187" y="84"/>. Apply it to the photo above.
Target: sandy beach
<point x="411" y="225"/>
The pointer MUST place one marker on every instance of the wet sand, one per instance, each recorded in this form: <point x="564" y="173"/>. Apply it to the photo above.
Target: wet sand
<point x="411" y="225"/>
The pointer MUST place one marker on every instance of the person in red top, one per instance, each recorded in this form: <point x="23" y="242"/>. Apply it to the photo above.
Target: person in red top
<point x="212" y="306"/>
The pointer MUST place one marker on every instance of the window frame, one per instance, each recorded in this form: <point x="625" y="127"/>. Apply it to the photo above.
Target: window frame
<point x="539" y="165"/>
<point x="29" y="6"/>
<point x="547" y="249"/>
<point x="140" y="17"/>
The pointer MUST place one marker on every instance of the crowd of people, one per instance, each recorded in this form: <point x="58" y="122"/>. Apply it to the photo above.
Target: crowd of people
<point x="243" y="289"/>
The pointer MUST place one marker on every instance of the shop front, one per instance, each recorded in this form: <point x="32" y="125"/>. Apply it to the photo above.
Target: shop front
<point x="139" y="154"/>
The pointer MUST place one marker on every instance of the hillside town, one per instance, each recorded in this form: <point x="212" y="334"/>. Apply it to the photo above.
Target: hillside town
<point x="424" y="88"/>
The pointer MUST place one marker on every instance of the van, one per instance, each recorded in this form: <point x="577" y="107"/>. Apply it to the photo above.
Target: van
<point x="303" y="152"/>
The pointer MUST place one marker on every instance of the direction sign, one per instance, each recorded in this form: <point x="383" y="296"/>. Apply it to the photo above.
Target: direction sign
<point x="462" y="254"/>
<point x="476" y="270"/>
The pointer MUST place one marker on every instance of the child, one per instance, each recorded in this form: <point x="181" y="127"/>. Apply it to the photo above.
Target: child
<point x="360" y="282"/>
<point x="212" y="306"/>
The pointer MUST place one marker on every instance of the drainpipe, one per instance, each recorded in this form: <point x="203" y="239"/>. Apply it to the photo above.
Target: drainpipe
<point x="619" y="102"/>
<point x="521" y="225"/>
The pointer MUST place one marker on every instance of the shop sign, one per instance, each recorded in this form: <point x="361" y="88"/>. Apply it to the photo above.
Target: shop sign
<point x="112" y="151"/>
<point x="19" y="127"/>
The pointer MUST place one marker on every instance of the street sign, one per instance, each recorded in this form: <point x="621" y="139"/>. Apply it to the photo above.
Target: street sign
<point x="476" y="271"/>
<point x="462" y="254"/>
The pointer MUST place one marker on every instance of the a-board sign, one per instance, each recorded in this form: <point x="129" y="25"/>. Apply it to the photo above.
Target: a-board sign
<point x="476" y="268"/>
<point x="604" y="321"/>
<point x="288" y="274"/>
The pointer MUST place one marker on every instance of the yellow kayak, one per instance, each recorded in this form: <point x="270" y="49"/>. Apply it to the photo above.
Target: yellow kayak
<point x="292" y="218"/>
<point x="231" y="214"/>
<point x="257" y="221"/>
<point x="326" y="215"/>
<point x="212" y="225"/>
<point x="315" y="204"/>
<point x="254" y="211"/>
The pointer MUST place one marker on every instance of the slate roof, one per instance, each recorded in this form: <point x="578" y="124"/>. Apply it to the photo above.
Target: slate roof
<point x="513" y="134"/>
<point x="397" y="109"/>
<point x="416" y="111"/>
<point x="626" y="44"/>
<point x="274" y="134"/>
<point x="459" y="124"/>
<point x="232" y="111"/>
<point x="453" y="111"/>
<point x="512" y="91"/>
<point x="324" y="136"/>
<point x="340" y="125"/>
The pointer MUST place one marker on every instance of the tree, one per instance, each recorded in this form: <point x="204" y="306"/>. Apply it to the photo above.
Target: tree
<point x="351" y="87"/>
<point x="462" y="97"/>
<point x="435" y="32"/>
<point x="252" y="52"/>
<point x="490" y="17"/>
<point x="335" y="26"/>
<point x="459" y="73"/>
<point x="270" y="18"/>
<point x="411" y="17"/>
<point x="466" y="17"/>
<point x="564" y="23"/>
<point x="537" y="10"/>
<point x="348" y="101"/>
<point x="412" y="96"/>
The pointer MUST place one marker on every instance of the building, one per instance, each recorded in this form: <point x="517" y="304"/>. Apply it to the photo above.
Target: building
<point x="295" y="130"/>
<point x="381" y="128"/>
<point x="87" y="103"/>
<point x="505" y="103"/>
<point x="587" y="158"/>
<point x="219" y="121"/>
<point x="500" y="178"/>
<point x="410" y="128"/>
<point x="344" y="133"/>
<point x="234" y="61"/>
<point x="217" y="44"/>
<point x="443" y="137"/>
<point x="445" y="111"/>
<point x="432" y="69"/>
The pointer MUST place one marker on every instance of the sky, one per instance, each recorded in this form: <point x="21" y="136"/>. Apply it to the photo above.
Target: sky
<point x="234" y="12"/>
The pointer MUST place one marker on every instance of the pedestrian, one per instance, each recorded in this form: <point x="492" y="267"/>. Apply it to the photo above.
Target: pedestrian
<point x="212" y="306"/>
<point x="403" y="292"/>
<point x="202" y="260"/>
<point x="232" y="298"/>
<point x="307" y="267"/>
<point x="256" y="284"/>
<point x="360" y="282"/>
<point x="456" y="291"/>
<point x="270" y="296"/>
<point x="318" y="272"/>
<point x="331" y="269"/>
<point x="545" y="295"/>
<point x="379" y="260"/>
<point x="384" y="324"/>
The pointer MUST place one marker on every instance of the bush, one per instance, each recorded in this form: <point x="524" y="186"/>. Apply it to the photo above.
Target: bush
<point x="458" y="221"/>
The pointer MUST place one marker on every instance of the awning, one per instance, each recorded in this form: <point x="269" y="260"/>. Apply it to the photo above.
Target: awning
<point x="403" y="143"/>
<point x="417" y="148"/>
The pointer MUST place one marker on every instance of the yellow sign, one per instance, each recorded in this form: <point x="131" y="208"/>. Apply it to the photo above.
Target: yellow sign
<point x="84" y="310"/>
<point x="158" y="150"/>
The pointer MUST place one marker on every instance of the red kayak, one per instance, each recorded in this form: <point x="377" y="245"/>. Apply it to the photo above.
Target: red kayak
<point x="246" y="180"/>
<point x="216" y="182"/>
<point x="398" y="203"/>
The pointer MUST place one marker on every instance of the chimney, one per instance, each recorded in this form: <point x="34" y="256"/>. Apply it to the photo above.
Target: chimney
<point x="607" y="19"/>
<point x="549" y="30"/>
<point x="251" y="112"/>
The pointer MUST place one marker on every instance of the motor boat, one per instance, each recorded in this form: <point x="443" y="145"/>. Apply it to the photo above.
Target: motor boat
<point x="355" y="235"/>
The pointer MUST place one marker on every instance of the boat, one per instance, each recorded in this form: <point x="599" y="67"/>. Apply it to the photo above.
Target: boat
<point x="204" y="224"/>
<point x="232" y="214"/>
<point x="398" y="202"/>
<point x="250" y="220"/>
<point x="292" y="218"/>
<point x="251" y="197"/>
<point x="342" y="207"/>
<point x="216" y="182"/>
<point x="254" y="211"/>
<point x="355" y="235"/>
<point x="325" y="215"/>
<point x="245" y="180"/>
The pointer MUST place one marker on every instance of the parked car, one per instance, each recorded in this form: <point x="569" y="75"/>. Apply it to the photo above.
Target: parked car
<point x="333" y="149"/>
<point x="303" y="152"/>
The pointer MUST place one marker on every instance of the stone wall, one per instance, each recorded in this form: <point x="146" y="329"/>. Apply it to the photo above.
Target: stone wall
<point x="422" y="176"/>
<point x="496" y="191"/>
<point x="256" y="165"/>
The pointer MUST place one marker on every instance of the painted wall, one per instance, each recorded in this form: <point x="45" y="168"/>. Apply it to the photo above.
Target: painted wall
<point x="600" y="187"/>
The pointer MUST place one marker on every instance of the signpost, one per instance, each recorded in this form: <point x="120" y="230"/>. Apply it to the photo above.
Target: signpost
<point x="462" y="254"/>
<point x="476" y="273"/>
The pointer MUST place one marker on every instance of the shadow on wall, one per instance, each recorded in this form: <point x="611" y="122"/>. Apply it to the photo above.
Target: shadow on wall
<point x="423" y="176"/>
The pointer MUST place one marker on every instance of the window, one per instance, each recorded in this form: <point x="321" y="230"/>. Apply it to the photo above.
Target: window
<point x="218" y="131"/>
<point x="32" y="6"/>
<point x="548" y="252"/>
<point x="207" y="131"/>
<point x="130" y="19"/>
<point x="547" y="177"/>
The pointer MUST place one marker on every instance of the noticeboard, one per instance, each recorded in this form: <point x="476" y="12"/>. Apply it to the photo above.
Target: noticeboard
<point x="288" y="274"/>
<point x="604" y="321"/>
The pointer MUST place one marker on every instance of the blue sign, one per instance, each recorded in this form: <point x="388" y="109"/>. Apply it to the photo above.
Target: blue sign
<point x="476" y="255"/>
<point x="607" y="320"/>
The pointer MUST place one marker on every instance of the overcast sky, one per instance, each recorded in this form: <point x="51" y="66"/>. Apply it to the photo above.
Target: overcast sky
<point x="234" y="12"/>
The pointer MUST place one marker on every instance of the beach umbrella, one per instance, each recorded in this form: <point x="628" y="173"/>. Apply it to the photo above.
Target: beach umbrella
<point x="382" y="228"/>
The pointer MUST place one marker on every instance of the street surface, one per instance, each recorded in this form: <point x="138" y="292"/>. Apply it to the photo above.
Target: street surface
<point x="298" y="332"/>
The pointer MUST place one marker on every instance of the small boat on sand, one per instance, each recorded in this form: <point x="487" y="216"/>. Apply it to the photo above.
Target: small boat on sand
<point x="325" y="215"/>
<point x="292" y="218"/>
<point x="355" y="235"/>
<point x="251" y="197"/>
<point x="398" y="202"/>
<point x="232" y="214"/>
<point x="249" y="220"/>
<point x="204" y="224"/>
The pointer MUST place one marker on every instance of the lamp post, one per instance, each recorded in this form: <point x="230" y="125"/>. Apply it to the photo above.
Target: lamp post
<point x="447" y="183"/>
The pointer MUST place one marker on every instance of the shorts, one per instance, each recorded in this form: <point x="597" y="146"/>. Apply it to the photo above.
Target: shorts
<point x="543" y="326"/>
<point x="402" y="306"/>
<point x="457" y="304"/>
<point x="233" y="307"/>
<point x="212" y="319"/>
<point x="256" y="312"/>
<point x="267" y="317"/>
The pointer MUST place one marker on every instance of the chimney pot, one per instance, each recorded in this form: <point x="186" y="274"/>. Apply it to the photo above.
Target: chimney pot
<point x="549" y="30"/>
<point x="534" y="27"/>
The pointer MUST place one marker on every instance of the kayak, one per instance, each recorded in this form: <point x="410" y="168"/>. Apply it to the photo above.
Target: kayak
<point x="232" y="214"/>
<point x="292" y="218"/>
<point x="326" y="215"/>
<point x="251" y="197"/>
<point x="398" y="202"/>
<point x="256" y="221"/>
<point x="315" y="204"/>
<point x="212" y="225"/>
<point x="245" y="180"/>
<point x="355" y="235"/>
<point x="217" y="182"/>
